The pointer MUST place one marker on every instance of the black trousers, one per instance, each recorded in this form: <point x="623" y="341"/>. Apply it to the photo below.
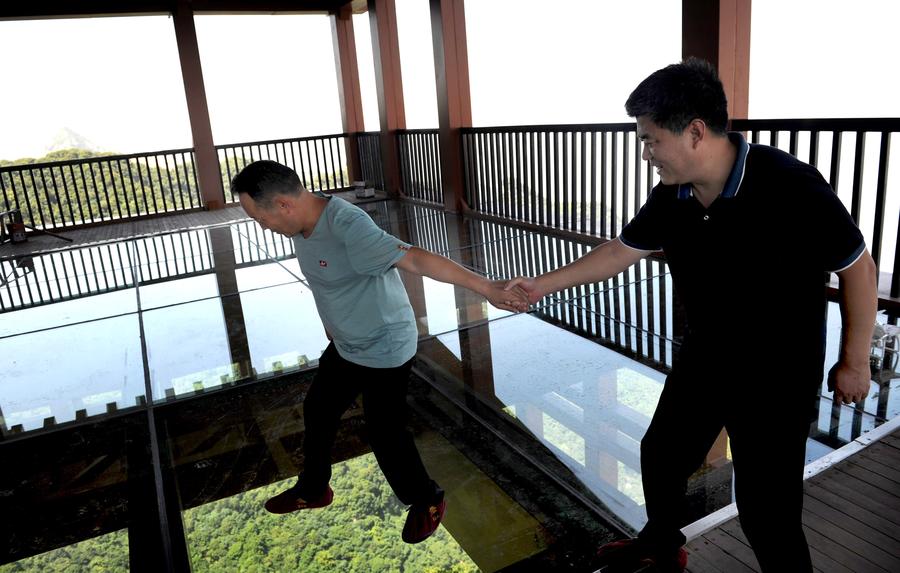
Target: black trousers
<point x="768" y="442"/>
<point x="336" y="385"/>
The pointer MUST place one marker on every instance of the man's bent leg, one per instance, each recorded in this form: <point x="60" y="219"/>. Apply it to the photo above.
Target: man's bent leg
<point x="332" y="391"/>
<point x="384" y="402"/>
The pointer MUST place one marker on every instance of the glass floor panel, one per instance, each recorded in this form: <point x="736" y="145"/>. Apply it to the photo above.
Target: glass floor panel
<point x="104" y="553"/>
<point x="71" y="372"/>
<point x="240" y="447"/>
<point x="586" y="404"/>
<point x="166" y="374"/>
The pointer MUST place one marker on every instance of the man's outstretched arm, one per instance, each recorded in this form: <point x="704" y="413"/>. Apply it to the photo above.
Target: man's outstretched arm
<point x="604" y="261"/>
<point x="431" y="265"/>
<point x="849" y="378"/>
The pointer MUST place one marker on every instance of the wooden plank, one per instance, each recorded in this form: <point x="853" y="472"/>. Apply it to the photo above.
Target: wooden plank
<point x="886" y="472"/>
<point x="847" y="539"/>
<point x="697" y="561"/>
<point x="820" y="561"/>
<point x="737" y="548"/>
<point x="861" y="493"/>
<point x="826" y="564"/>
<point x="893" y="440"/>
<point x="854" y="526"/>
<point x="881" y="448"/>
<point x="717" y="557"/>
<point x="733" y="528"/>
<point x="881" y="459"/>
<point x="854" y="562"/>
<point x="887" y="489"/>
<point x="847" y="506"/>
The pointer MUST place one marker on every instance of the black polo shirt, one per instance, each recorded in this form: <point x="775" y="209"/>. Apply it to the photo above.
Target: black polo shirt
<point x="750" y="268"/>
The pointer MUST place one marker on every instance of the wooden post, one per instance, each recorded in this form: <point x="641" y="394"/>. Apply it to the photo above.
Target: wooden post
<point x="389" y="84"/>
<point x="451" y="70"/>
<point x="348" y="85"/>
<point x="232" y="309"/>
<point x="207" y="161"/>
<point x="719" y="31"/>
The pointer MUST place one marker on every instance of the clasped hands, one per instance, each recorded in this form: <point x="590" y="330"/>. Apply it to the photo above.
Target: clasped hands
<point x="514" y="295"/>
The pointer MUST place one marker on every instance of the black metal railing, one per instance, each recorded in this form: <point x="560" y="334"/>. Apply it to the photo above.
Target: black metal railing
<point x="93" y="270"/>
<point x="590" y="178"/>
<point x="427" y="227"/>
<point x="833" y="146"/>
<point x="101" y="189"/>
<point x="631" y="312"/>
<point x="65" y="275"/>
<point x="371" y="165"/>
<point x="320" y="161"/>
<point x="420" y="165"/>
<point x="583" y="178"/>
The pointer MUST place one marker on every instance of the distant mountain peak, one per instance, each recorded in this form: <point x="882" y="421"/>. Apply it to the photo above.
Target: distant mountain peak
<point x="67" y="138"/>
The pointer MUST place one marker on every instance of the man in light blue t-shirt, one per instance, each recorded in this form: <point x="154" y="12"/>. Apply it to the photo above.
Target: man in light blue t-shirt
<point x="351" y="266"/>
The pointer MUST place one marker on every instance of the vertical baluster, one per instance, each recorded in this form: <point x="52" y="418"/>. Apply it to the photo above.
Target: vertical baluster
<point x="836" y="141"/>
<point x="614" y="192"/>
<point x="604" y="202"/>
<point x="625" y="170"/>
<point x="858" y="166"/>
<point x="172" y="187"/>
<point x="75" y="191"/>
<point x="594" y="197"/>
<point x="40" y="204"/>
<point x="541" y="189"/>
<point x="583" y="202"/>
<point x="880" y="198"/>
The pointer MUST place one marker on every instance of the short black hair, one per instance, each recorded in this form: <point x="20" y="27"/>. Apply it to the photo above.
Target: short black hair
<point x="677" y="94"/>
<point x="264" y="179"/>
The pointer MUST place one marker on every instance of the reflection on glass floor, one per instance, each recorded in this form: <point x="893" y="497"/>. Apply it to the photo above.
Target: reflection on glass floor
<point x="171" y="341"/>
<point x="587" y="404"/>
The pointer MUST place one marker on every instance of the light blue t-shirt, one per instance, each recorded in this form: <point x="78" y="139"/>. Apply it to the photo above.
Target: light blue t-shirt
<point x="349" y="264"/>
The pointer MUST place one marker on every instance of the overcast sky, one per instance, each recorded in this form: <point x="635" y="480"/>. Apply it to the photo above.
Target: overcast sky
<point x="117" y="81"/>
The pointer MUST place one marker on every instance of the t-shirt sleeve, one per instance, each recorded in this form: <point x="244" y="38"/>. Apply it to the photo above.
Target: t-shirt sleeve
<point x="645" y="231"/>
<point x="370" y="249"/>
<point x="836" y="239"/>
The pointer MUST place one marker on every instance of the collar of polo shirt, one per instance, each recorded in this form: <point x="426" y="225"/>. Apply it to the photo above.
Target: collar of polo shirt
<point x="733" y="183"/>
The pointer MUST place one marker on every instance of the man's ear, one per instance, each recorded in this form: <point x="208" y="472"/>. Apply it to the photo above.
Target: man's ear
<point x="281" y="202"/>
<point x="697" y="131"/>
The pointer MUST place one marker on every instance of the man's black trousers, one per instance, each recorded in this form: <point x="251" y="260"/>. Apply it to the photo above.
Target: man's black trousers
<point x="336" y="385"/>
<point x="767" y="421"/>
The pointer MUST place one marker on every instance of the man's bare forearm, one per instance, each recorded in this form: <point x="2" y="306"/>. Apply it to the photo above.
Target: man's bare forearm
<point x="859" y="304"/>
<point x="603" y="262"/>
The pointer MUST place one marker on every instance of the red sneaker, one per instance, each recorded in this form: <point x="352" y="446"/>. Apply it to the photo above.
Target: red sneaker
<point x="422" y="521"/>
<point x="288" y="501"/>
<point x="634" y="553"/>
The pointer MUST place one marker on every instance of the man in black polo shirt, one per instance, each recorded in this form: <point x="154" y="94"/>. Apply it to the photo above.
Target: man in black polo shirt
<point x="748" y="232"/>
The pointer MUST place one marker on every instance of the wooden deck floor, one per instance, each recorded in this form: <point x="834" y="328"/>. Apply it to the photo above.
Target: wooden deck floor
<point x="38" y="243"/>
<point x="851" y="517"/>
